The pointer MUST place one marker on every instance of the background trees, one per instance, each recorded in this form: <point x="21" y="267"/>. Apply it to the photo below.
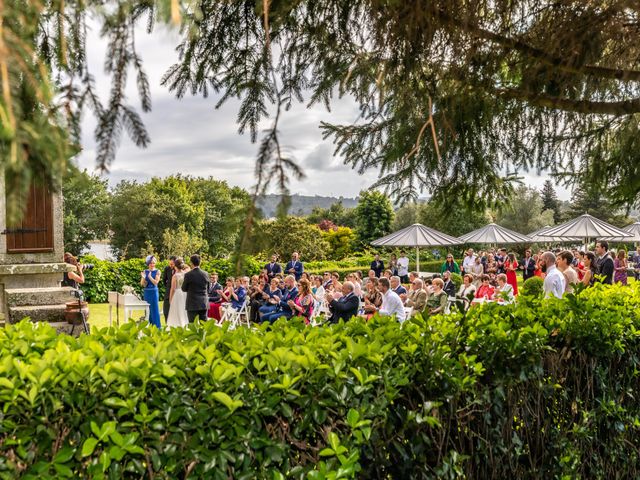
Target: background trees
<point x="374" y="215"/>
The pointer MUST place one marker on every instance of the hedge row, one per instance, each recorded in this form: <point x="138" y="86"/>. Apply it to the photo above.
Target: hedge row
<point x="538" y="389"/>
<point x="111" y="276"/>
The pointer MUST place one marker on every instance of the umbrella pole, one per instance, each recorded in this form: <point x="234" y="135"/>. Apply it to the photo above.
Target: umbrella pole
<point x="418" y="260"/>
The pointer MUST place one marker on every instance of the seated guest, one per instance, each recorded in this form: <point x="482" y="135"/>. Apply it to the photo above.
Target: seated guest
<point x="377" y="265"/>
<point x="214" y="292"/>
<point x="370" y="276"/>
<point x="485" y="290"/>
<point x="398" y="288"/>
<point x="450" y="265"/>
<point x="391" y="303"/>
<point x="467" y="288"/>
<point x="239" y="293"/>
<point x="357" y="288"/>
<point x="318" y="290"/>
<point x="449" y="286"/>
<point x="437" y="301"/>
<point x="283" y="309"/>
<point x="417" y="298"/>
<point x="503" y="289"/>
<point x="345" y="307"/>
<point x="257" y="298"/>
<point x="271" y="297"/>
<point x="387" y="274"/>
<point x="326" y="280"/>
<point x="302" y="305"/>
<point x="335" y="281"/>
<point x="225" y="297"/>
<point x="294" y="266"/>
<point x="372" y="299"/>
<point x="306" y="276"/>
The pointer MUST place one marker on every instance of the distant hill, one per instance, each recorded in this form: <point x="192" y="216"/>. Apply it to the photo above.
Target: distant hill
<point x="301" y="204"/>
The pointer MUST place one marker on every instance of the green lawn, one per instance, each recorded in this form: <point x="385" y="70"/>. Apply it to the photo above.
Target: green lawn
<point x="99" y="315"/>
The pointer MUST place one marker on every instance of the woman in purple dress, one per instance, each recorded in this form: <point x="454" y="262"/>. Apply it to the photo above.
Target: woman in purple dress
<point x="620" y="268"/>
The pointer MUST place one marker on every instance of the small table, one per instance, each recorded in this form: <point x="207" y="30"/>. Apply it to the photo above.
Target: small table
<point x="128" y="302"/>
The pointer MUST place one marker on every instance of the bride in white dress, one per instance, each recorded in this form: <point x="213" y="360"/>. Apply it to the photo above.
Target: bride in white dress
<point x="177" y="298"/>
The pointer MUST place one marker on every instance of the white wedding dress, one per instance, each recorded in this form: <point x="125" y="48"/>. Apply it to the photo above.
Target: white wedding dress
<point x="178" y="309"/>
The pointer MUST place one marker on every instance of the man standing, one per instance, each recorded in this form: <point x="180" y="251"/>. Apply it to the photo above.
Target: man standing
<point x="196" y="284"/>
<point x="377" y="266"/>
<point x="564" y="263"/>
<point x="501" y="257"/>
<point x="391" y="303"/>
<point x="345" y="307"/>
<point x="449" y="287"/>
<point x="167" y="275"/>
<point x="528" y="265"/>
<point x="403" y="267"/>
<point x="295" y="267"/>
<point x="468" y="261"/>
<point x="554" y="282"/>
<point x="273" y="268"/>
<point x="604" y="266"/>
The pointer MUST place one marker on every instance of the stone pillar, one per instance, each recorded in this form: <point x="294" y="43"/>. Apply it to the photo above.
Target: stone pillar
<point x="30" y="273"/>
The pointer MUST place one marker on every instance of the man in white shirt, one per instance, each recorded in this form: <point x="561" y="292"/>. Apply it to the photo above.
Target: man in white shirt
<point x="468" y="261"/>
<point x="403" y="267"/>
<point x="391" y="303"/>
<point x="554" y="282"/>
<point x="563" y="263"/>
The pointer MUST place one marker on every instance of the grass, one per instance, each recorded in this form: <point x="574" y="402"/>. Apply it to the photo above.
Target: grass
<point x="99" y="315"/>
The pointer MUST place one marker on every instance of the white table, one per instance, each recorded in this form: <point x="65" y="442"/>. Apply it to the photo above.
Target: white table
<point x="127" y="303"/>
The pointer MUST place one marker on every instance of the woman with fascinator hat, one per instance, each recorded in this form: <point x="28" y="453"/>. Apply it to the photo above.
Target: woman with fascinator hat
<point x="149" y="280"/>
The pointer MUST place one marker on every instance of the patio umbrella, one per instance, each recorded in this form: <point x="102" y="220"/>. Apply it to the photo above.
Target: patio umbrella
<point x="540" y="237"/>
<point x="417" y="235"/>
<point x="495" y="235"/>
<point x="633" y="229"/>
<point x="585" y="227"/>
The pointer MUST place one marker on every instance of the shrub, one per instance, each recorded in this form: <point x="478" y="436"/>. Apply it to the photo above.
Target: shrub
<point x="533" y="286"/>
<point x="456" y="278"/>
<point x="536" y="389"/>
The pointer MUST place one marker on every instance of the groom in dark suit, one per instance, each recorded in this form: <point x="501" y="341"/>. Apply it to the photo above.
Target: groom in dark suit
<point x="196" y="284"/>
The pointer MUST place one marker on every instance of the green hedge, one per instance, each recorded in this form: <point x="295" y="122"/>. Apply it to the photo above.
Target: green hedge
<point x="537" y="389"/>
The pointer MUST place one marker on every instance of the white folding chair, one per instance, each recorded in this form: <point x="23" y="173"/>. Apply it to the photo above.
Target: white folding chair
<point x="235" y="316"/>
<point x="450" y="302"/>
<point x="408" y="312"/>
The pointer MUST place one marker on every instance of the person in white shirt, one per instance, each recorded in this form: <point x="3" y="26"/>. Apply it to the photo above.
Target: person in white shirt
<point x="403" y="267"/>
<point x="554" y="282"/>
<point x="391" y="303"/>
<point x="469" y="261"/>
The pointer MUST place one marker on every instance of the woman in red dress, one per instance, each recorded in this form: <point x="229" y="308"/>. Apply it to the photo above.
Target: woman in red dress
<point x="225" y="296"/>
<point x="510" y="267"/>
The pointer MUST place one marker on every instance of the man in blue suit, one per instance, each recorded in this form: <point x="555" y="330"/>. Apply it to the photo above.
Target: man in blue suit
<point x="345" y="307"/>
<point x="295" y="266"/>
<point x="283" y="309"/>
<point x="273" y="268"/>
<point x="377" y="266"/>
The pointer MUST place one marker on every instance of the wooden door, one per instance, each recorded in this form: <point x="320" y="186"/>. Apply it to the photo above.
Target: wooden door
<point x="35" y="232"/>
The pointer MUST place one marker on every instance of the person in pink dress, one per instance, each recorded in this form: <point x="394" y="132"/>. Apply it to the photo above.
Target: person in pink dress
<point x="510" y="267"/>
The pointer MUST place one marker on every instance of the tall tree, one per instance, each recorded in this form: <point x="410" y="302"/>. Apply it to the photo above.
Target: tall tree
<point x="374" y="216"/>
<point x="550" y="200"/>
<point x="590" y="199"/>
<point x="86" y="210"/>
<point x="525" y="212"/>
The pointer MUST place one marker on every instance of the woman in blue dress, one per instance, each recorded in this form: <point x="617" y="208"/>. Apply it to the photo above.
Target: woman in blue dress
<point x="150" y="279"/>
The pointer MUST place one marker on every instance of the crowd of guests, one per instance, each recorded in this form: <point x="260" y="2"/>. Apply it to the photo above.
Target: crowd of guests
<point x="289" y="291"/>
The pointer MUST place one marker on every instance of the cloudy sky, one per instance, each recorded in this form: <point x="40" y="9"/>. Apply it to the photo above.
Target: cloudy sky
<point x="190" y="136"/>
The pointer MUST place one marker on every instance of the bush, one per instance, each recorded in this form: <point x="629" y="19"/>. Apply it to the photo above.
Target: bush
<point x="538" y="389"/>
<point x="533" y="286"/>
<point x="456" y="278"/>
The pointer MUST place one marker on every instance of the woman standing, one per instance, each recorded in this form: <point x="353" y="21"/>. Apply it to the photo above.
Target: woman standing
<point x="393" y="264"/>
<point x="149" y="280"/>
<point x="620" y="267"/>
<point x="177" y="298"/>
<point x="510" y="267"/>
<point x="302" y="305"/>
<point x="589" y="269"/>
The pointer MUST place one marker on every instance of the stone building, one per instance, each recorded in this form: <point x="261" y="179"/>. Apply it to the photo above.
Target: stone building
<point x="31" y="265"/>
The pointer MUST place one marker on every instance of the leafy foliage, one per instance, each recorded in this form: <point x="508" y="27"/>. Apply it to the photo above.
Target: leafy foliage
<point x="540" y="388"/>
<point x="524" y="213"/>
<point x="533" y="286"/>
<point x="341" y="241"/>
<point x="86" y="210"/>
<point x="287" y="235"/>
<point x="550" y="200"/>
<point x="336" y="213"/>
<point x="374" y="215"/>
